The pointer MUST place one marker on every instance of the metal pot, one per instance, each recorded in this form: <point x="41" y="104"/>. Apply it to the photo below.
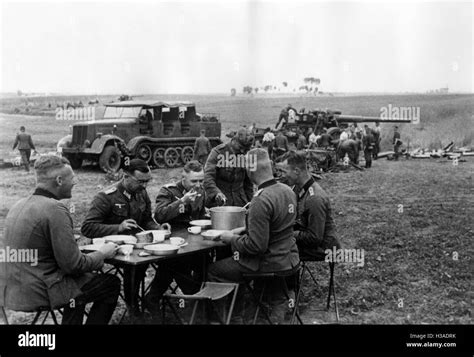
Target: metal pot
<point x="227" y="217"/>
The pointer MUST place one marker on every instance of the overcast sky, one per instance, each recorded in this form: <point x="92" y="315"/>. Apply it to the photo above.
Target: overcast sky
<point x="210" y="47"/>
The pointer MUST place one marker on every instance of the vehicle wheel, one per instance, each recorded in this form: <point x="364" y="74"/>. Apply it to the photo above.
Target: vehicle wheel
<point x="171" y="157"/>
<point x="110" y="159"/>
<point x="179" y="150"/>
<point x="335" y="133"/>
<point x="76" y="161"/>
<point x="187" y="154"/>
<point x="144" y="152"/>
<point x="159" y="158"/>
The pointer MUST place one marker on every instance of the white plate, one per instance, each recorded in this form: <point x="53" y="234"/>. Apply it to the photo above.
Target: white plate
<point x="162" y="249"/>
<point x="91" y="247"/>
<point x="121" y="239"/>
<point x="201" y="223"/>
<point x="212" y="234"/>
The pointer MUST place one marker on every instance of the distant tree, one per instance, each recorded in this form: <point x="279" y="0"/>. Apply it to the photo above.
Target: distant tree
<point x="233" y="92"/>
<point x="285" y="84"/>
<point x="256" y="90"/>
<point x="247" y="90"/>
<point x="19" y="93"/>
<point x="267" y="88"/>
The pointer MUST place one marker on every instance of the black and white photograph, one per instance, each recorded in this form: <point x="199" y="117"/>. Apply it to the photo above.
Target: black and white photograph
<point x="303" y="164"/>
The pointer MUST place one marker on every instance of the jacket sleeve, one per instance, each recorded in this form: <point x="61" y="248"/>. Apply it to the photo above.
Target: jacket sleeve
<point x="66" y="252"/>
<point x="210" y="173"/>
<point x="94" y="225"/>
<point x="256" y="241"/>
<point x="313" y="236"/>
<point x="15" y="144"/>
<point x="167" y="207"/>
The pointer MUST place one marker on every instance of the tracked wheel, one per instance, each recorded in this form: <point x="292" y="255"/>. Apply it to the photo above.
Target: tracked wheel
<point x="159" y="158"/>
<point x="144" y="152"/>
<point x="171" y="157"/>
<point x="187" y="154"/>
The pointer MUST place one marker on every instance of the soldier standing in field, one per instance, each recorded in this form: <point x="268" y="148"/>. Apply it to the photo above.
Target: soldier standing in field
<point x="369" y="143"/>
<point x="202" y="148"/>
<point x="376" y="133"/>
<point x="281" y="144"/>
<point x="25" y="144"/>
<point x="396" y="143"/>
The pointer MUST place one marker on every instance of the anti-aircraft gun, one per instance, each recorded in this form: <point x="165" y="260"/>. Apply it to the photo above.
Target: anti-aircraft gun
<point x="332" y="120"/>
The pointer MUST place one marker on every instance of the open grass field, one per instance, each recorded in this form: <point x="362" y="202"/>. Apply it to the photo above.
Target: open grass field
<point x="418" y="262"/>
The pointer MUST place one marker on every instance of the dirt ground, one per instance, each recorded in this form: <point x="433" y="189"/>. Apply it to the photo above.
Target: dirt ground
<point x="413" y="218"/>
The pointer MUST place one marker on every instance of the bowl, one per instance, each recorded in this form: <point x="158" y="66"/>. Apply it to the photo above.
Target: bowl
<point x="177" y="241"/>
<point x="212" y="234"/>
<point x="162" y="249"/>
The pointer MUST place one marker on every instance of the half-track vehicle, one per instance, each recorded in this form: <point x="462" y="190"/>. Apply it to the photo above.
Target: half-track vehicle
<point x="161" y="133"/>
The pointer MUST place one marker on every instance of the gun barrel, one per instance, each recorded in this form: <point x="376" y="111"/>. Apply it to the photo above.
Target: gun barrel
<point x="363" y="119"/>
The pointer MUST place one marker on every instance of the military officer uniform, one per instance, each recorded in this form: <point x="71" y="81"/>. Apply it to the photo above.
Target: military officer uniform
<point x="221" y="176"/>
<point x="315" y="230"/>
<point x="111" y="207"/>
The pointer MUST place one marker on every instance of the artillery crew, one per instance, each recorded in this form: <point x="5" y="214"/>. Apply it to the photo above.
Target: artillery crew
<point x="396" y="142"/>
<point x="376" y="132"/>
<point x="369" y="144"/>
<point x="281" y="144"/>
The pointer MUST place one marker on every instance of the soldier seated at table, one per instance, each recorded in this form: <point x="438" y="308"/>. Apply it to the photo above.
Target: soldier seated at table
<point x="268" y="245"/>
<point x="315" y="230"/>
<point x="121" y="209"/>
<point x="179" y="203"/>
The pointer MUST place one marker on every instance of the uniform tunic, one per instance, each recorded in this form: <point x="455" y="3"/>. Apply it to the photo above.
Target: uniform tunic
<point x="112" y="206"/>
<point x="221" y="177"/>
<point x="43" y="223"/>
<point x="317" y="230"/>
<point x="269" y="245"/>
<point x="170" y="209"/>
<point x="202" y="148"/>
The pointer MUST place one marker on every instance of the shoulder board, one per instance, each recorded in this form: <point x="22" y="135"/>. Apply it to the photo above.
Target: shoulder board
<point x="258" y="192"/>
<point x="110" y="190"/>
